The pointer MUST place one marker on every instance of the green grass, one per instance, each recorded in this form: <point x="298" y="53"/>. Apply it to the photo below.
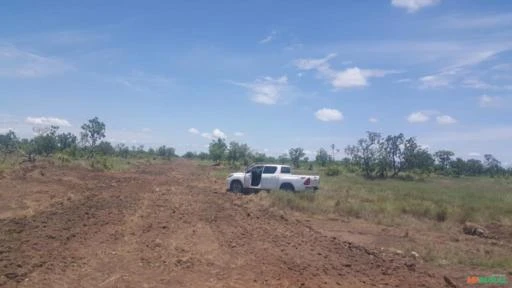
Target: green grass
<point x="437" y="203"/>
<point x="436" y="198"/>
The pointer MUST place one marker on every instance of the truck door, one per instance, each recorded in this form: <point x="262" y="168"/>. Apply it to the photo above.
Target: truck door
<point x="253" y="177"/>
<point x="269" y="178"/>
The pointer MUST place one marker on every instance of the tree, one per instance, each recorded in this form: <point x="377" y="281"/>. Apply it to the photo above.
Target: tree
<point x="105" y="148"/>
<point x="458" y="167"/>
<point x="166" y="152"/>
<point x="322" y="157"/>
<point x="334" y="151"/>
<point x="217" y="149"/>
<point x="66" y="141"/>
<point x="46" y="142"/>
<point x="295" y="155"/>
<point x="423" y="161"/>
<point x="283" y="159"/>
<point x="122" y="150"/>
<point x="443" y="158"/>
<point x="189" y="155"/>
<point x="364" y="154"/>
<point x="474" y="167"/>
<point x="391" y="152"/>
<point x="238" y="153"/>
<point x="8" y="143"/>
<point x="492" y="165"/>
<point x="203" y="156"/>
<point x="259" y="157"/>
<point x="92" y="132"/>
<point x="415" y="158"/>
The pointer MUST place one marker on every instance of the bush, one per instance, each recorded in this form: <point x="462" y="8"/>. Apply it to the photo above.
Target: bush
<point x="407" y="177"/>
<point x="101" y="164"/>
<point x="332" y="171"/>
<point x="442" y="214"/>
<point x="63" y="158"/>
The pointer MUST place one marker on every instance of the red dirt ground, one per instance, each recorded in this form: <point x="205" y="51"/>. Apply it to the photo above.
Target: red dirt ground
<point x="174" y="225"/>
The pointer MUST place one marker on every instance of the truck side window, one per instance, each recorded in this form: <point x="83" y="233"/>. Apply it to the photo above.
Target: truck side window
<point x="269" y="170"/>
<point x="285" y="170"/>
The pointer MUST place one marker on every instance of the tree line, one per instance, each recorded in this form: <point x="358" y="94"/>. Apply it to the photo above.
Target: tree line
<point x="374" y="156"/>
<point x="379" y="156"/>
<point x="89" y="144"/>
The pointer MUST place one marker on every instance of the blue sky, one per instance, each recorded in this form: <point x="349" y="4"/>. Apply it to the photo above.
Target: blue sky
<point x="268" y="73"/>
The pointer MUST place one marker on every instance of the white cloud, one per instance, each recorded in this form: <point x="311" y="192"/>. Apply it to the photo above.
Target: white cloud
<point x="193" y="131"/>
<point x="460" y="70"/>
<point x="312" y="64"/>
<point x="445" y="120"/>
<point x="268" y="38"/>
<point x="239" y="134"/>
<point x="418" y="117"/>
<point x="486" y="101"/>
<point x="373" y="120"/>
<point x="22" y="64"/>
<point x="474" y="154"/>
<point x="435" y="81"/>
<point x="218" y="134"/>
<point x="413" y="5"/>
<point x="266" y="90"/>
<point x="47" y="121"/>
<point x="5" y="130"/>
<point x="350" y="77"/>
<point x="207" y="135"/>
<point x="424" y="146"/>
<point x="327" y="115"/>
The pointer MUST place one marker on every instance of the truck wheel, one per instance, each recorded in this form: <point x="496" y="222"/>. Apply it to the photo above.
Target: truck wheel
<point x="287" y="187"/>
<point x="236" y="187"/>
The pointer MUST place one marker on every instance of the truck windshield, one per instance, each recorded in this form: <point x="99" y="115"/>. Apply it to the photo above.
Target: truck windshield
<point x="285" y="170"/>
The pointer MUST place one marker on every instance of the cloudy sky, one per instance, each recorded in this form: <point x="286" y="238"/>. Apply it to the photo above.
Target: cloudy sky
<point x="272" y="74"/>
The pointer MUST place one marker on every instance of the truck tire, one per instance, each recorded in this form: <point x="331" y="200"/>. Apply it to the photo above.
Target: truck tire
<point x="236" y="187"/>
<point x="287" y="187"/>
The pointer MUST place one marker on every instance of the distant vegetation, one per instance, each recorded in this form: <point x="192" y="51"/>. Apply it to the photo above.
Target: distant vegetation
<point x="374" y="156"/>
<point x="66" y="147"/>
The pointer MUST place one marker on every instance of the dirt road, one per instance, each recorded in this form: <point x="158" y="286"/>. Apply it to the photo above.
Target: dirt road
<point x="172" y="225"/>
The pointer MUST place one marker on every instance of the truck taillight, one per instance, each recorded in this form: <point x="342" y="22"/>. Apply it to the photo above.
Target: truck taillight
<point x="307" y="182"/>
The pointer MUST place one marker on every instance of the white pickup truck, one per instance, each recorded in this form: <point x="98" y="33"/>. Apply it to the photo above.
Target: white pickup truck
<point x="270" y="177"/>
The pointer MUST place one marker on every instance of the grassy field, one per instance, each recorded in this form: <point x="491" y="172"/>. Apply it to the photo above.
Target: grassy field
<point x="432" y="204"/>
<point x="387" y="201"/>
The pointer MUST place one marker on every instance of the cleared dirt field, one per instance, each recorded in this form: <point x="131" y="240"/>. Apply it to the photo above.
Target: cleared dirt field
<point x="173" y="225"/>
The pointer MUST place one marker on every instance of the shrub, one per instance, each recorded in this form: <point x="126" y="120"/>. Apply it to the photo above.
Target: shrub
<point x="101" y="164"/>
<point x="407" y="177"/>
<point x="332" y="171"/>
<point x="442" y="214"/>
<point x="63" y="158"/>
